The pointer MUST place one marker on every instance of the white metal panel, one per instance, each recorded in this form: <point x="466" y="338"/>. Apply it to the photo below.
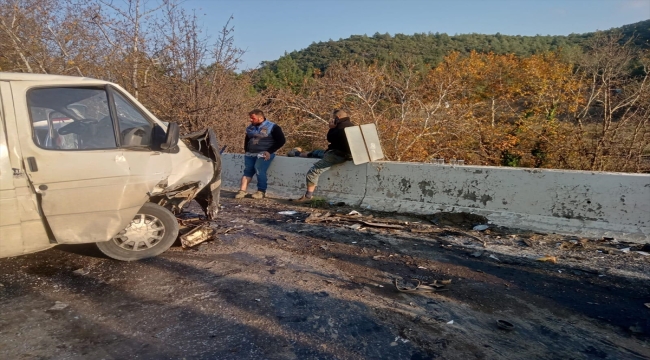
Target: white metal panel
<point x="371" y="139"/>
<point x="357" y="145"/>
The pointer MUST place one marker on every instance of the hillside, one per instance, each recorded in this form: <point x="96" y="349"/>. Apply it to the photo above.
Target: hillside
<point x="429" y="49"/>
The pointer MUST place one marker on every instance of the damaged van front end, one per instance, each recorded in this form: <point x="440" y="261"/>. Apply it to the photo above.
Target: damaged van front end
<point x="195" y="175"/>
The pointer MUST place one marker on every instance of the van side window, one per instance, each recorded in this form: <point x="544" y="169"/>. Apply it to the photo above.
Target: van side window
<point x="135" y="129"/>
<point x="71" y="118"/>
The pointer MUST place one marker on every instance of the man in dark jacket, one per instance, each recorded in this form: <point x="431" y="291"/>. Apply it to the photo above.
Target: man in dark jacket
<point x="337" y="152"/>
<point x="263" y="139"/>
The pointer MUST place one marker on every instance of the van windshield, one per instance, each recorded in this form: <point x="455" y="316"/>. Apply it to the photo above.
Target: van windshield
<point x="71" y="118"/>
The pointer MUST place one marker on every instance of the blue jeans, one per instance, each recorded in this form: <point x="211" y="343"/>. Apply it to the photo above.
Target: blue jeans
<point x="255" y="165"/>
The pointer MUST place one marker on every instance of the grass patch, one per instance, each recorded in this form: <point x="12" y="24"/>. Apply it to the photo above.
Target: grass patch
<point x="318" y="202"/>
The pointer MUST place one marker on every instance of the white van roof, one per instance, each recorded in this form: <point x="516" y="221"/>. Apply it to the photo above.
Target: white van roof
<point x="11" y="76"/>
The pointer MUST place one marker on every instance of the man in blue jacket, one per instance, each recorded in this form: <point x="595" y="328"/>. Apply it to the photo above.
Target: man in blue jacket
<point x="263" y="139"/>
<point x="337" y="152"/>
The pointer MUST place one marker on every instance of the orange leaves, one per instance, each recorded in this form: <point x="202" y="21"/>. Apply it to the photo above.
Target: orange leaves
<point x="507" y="142"/>
<point x="512" y="103"/>
<point x="487" y="109"/>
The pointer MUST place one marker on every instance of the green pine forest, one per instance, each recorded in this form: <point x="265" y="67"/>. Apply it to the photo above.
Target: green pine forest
<point x="427" y="50"/>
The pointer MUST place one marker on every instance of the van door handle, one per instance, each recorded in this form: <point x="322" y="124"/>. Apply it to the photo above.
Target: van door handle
<point x="31" y="162"/>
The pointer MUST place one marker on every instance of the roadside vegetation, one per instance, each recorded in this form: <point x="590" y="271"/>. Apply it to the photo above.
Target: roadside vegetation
<point x="575" y="102"/>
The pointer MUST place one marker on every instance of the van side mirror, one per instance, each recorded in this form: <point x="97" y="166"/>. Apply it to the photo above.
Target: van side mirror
<point x="172" y="136"/>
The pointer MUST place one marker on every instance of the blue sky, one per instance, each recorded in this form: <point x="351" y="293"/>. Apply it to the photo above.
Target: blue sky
<point x="268" y="29"/>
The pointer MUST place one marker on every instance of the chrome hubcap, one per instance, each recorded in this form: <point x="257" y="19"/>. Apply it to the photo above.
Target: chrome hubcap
<point x="144" y="232"/>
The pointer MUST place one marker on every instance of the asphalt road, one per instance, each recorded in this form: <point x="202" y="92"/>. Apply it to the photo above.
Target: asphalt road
<point x="272" y="286"/>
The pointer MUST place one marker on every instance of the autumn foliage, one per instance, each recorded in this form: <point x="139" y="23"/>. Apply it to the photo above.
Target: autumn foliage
<point x="540" y="111"/>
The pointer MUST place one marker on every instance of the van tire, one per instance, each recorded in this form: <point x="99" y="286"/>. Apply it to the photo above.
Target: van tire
<point x="153" y="230"/>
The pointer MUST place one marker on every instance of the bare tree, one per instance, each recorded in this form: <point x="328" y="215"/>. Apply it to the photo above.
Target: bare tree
<point x="194" y="80"/>
<point x="44" y="36"/>
<point x="615" y="117"/>
<point x="128" y="26"/>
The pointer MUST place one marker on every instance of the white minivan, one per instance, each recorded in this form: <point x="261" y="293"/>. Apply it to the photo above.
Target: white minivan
<point x="82" y="161"/>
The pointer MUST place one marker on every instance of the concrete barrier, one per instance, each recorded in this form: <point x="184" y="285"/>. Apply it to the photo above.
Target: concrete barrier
<point x="286" y="178"/>
<point x="569" y="202"/>
<point x="592" y="204"/>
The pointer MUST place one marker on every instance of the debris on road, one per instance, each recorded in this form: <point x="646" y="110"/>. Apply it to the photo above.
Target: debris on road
<point x="399" y="338"/>
<point x="551" y="259"/>
<point x="418" y="286"/>
<point x="643" y="253"/>
<point x="233" y="229"/>
<point x="450" y="322"/>
<point x="327" y="217"/>
<point x="382" y="225"/>
<point x="423" y="229"/>
<point x="317" y="217"/>
<point x="58" y="306"/>
<point x="477" y="254"/>
<point x="197" y="235"/>
<point x="494" y="257"/>
<point x="480" y="227"/>
<point x="288" y="212"/>
<point x="568" y="244"/>
<point x="81" y="272"/>
<point x="625" y="250"/>
<point x="190" y="221"/>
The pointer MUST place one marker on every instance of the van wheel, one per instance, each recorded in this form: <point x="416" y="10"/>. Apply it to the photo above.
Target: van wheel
<point x="152" y="231"/>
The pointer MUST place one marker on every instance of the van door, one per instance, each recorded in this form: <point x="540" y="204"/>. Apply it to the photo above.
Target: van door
<point x="146" y="167"/>
<point x="21" y="227"/>
<point x="82" y="173"/>
<point x="10" y="238"/>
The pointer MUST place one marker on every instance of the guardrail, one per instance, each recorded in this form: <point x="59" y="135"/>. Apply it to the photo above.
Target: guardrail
<point x="591" y="204"/>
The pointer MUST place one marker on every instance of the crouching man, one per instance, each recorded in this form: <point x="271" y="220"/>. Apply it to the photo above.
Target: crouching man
<point x="337" y="152"/>
<point x="263" y="139"/>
